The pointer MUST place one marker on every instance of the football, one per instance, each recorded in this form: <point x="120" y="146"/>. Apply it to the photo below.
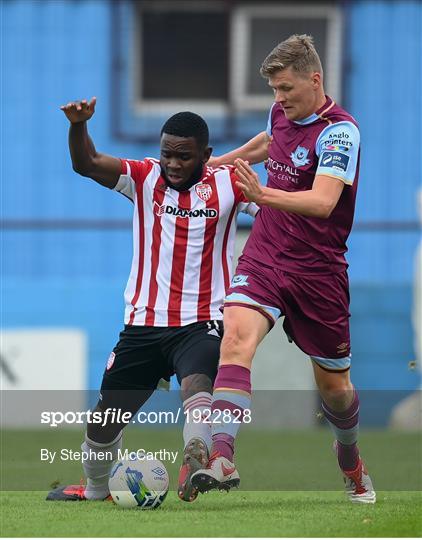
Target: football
<point x="139" y="483"/>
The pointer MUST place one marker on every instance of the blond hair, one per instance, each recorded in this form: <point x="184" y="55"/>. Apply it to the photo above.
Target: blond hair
<point x="297" y="52"/>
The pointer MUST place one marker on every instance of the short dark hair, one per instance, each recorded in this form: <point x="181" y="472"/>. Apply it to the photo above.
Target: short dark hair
<point x="187" y="124"/>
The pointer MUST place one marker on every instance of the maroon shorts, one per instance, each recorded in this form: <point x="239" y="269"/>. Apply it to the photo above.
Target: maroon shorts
<point x="316" y="307"/>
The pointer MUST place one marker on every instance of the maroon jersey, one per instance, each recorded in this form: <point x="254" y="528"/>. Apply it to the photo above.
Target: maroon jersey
<point x="325" y="143"/>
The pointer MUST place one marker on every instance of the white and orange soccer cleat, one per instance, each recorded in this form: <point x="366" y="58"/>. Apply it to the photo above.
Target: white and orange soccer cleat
<point x="357" y="483"/>
<point x="220" y="474"/>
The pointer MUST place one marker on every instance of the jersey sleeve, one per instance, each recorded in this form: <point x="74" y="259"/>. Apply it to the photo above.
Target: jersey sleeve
<point x="243" y="205"/>
<point x="133" y="172"/>
<point x="337" y="148"/>
<point x="249" y="208"/>
<point x="269" y="128"/>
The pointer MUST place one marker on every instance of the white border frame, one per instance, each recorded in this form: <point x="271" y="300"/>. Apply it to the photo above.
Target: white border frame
<point x="240" y="46"/>
<point x="154" y="107"/>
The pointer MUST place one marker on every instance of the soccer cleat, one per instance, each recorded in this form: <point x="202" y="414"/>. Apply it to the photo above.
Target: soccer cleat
<point x="195" y="457"/>
<point x="220" y="473"/>
<point x="358" y="485"/>
<point x="70" y="493"/>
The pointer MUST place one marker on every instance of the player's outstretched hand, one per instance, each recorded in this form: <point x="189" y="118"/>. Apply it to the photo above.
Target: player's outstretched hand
<point x="213" y="162"/>
<point x="79" y="111"/>
<point x="248" y="181"/>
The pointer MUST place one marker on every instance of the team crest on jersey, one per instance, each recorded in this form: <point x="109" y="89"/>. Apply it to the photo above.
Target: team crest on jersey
<point x="300" y="156"/>
<point x="239" y="280"/>
<point x="110" y="360"/>
<point x="204" y="191"/>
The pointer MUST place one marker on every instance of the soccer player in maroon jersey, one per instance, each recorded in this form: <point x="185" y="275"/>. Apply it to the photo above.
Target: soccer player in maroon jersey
<point x="293" y="263"/>
<point x="184" y="225"/>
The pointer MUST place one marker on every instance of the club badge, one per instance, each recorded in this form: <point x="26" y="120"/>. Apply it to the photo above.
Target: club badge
<point x="110" y="360"/>
<point x="204" y="191"/>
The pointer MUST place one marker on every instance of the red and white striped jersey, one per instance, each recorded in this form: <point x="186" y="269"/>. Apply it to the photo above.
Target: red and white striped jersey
<point x="183" y="244"/>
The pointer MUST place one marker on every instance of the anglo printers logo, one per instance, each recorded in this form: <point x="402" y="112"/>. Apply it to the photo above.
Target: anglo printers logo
<point x="337" y="148"/>
<point x="339" y="142"/>
<point x="300" y="156"/>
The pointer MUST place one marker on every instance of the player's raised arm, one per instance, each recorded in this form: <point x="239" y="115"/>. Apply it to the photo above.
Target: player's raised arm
<point x="254" y="151"/>
<point x="86" y="160"/>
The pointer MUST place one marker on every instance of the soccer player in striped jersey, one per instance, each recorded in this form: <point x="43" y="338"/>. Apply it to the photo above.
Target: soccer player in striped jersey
<point x="184" y="225"/>
<point x="293" y="263"/>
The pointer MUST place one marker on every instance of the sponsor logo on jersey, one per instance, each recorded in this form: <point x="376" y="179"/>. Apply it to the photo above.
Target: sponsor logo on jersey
<point x="335" y="160"/>
<point x="338" y="141"/>
<point x="110" y="360"/>
<point x="204" y="191"/>
<point x="208" y="213"/>
<point x="300" y="156"/>
<point x="239" y="281"/>
<point x="336" y="148"/>
<point x="276" y="166"/>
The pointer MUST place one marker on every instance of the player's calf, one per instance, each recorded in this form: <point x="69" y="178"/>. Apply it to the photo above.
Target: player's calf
<point x="97" y="469"/>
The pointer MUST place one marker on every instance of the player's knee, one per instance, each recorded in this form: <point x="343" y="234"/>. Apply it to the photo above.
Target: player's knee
<point x="337" y="395"/>
<point x="237" y="344"/>
<point x="192" y="384"/>
<point x="104" y="431"/>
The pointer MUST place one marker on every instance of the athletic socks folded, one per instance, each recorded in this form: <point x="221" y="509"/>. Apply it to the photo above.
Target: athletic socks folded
<point x="98" y="466"/>
<point x="230" y="406"/>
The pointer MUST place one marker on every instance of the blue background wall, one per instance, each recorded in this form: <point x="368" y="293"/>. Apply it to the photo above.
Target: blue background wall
<point x="54" y="52"/>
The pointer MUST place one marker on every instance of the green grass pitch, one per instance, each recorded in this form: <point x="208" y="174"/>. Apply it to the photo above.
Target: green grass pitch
<point x="291" y="487"/>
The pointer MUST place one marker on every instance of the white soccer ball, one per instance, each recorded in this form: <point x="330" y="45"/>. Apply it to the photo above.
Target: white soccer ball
<point x="138" y="483"/>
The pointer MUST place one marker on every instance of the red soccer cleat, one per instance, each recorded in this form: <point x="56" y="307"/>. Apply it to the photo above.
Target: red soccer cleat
<point x="70" y="493"/>
<point x="195" y="457"/>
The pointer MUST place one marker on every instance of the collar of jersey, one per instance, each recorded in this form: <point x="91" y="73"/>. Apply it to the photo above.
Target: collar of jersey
<point x="188" y="185"/>
<point x="315" y="115"/>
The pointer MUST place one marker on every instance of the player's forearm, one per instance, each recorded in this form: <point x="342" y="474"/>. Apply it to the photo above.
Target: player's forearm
<point x="254" y="151"/>
<point x="82" y="149"/>
<point x="306" y="203"/>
